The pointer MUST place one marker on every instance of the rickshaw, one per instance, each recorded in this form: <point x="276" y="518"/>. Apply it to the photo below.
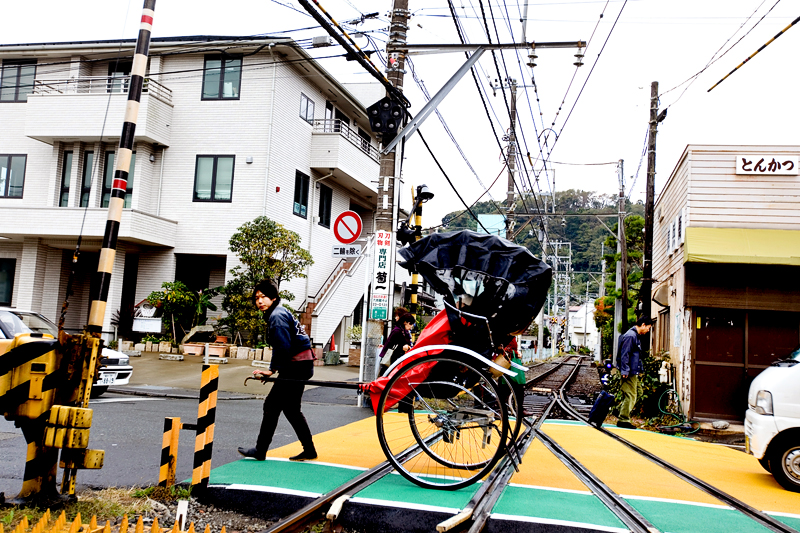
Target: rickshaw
<point x="447" y="411"/>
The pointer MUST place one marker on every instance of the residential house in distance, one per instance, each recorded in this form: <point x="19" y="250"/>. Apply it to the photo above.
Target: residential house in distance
<point x="229" y="129"/>
<point x="726" y="259"/>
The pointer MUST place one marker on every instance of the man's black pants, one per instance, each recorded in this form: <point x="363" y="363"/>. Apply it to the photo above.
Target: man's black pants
<point x="286" y="398"/>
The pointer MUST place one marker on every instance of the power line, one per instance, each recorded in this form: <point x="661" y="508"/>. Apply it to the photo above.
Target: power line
<point x="419" y="133"/>
<point x="714" y="59"/>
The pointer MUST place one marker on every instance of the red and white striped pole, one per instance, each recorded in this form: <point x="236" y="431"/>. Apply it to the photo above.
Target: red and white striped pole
<point x="119" y="186"/>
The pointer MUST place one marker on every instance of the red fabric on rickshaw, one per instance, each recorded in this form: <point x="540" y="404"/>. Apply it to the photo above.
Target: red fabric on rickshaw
<point x="436" y="332"/>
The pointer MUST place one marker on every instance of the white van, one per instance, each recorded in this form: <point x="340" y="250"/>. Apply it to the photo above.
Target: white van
<point x="772" y="423"/>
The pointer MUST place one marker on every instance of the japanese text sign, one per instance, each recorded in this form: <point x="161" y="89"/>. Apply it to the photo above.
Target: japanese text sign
<point x="346" y="250"/>
<point x="379" y="305"/>
<point x="777" y="164"/>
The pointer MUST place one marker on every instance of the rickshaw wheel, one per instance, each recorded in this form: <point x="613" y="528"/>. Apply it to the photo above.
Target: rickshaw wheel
<point x="514" y="406"/>
<point x="454" y="415"/>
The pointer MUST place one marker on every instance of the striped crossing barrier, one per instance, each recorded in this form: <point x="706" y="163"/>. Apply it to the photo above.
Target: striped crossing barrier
<point x="105" y="266"/>
<point x="204" y="440"/>
<point x="169" y="451"/>
<point x="751" y="56"/>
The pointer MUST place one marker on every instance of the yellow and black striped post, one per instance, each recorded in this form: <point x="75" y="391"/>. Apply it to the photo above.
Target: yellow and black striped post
<point x="415" y="275"/>
<point x="206" y="412"/>
<point x="119" y="186"/>
<point x="169" y="451"/>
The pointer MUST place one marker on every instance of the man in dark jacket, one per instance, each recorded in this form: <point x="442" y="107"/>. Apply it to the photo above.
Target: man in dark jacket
<point x="292" y="359"/>
<point x="629" y="364"/>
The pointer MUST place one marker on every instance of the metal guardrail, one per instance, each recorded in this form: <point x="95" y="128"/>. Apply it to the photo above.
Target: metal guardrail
<point x="346" y="131"/>
<point x="100" y="85"/>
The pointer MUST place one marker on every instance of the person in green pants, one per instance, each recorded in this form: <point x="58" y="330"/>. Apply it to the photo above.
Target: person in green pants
<point x="629" y="364"/>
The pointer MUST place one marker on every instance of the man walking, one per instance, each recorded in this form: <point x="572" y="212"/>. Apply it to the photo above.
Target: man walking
<point x="629" y="364"/>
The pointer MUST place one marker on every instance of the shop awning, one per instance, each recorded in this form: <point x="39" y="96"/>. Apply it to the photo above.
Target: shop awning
<point x="742" y="245"/>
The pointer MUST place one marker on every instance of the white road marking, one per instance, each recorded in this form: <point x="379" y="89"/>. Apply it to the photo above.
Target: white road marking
<point x="121" y="400"/>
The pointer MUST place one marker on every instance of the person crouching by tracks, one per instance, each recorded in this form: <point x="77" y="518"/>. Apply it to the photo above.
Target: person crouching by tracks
<point x="398" y="342"/>
<point x="292" y="359"/>
<point x="629" y="364"/>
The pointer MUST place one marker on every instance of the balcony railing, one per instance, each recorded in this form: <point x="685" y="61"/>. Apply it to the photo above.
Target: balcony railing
<point x="100" y="85"/>
<point x="345" y="130"/>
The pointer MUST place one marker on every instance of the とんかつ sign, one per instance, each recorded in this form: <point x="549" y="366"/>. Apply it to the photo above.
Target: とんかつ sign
<point x="776" y="164"/>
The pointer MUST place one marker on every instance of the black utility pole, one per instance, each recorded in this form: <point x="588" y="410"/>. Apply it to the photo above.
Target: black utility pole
<point x="647" y="270"/>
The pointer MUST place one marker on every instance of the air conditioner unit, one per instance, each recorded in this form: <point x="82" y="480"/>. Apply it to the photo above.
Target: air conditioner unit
<point x="320" y="41"/>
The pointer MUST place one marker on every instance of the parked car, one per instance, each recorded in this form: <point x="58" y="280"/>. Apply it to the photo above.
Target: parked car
<point x="116" y="369"/>
<point x="772" y="422"/>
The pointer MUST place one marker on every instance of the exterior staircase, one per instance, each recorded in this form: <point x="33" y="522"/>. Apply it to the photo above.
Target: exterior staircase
<point x="336" y="298"/>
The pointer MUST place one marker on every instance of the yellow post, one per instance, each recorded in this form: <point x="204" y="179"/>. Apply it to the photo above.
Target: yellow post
<point x="206" y="413"/>
<point x="169" y="451"/>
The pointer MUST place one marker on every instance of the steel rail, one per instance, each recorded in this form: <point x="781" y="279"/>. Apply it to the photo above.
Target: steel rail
<point x="615" y="503"/>
<point x="751" y="512"/>
<point x="483" y="507"/>
<point x="353" y="486"/>
<point x="548" y="372"/>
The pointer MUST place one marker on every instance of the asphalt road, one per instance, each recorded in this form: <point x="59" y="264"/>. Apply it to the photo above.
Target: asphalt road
<point x="129" y="429"/>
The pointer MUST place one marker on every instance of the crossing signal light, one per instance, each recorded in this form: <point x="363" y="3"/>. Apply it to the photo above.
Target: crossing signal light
<point x="385" y="117"/>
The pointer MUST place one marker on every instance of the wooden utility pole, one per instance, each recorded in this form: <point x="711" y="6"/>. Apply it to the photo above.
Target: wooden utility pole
<point x="385" y="215"/>
<point x="647" y="269"/>
<point x="512" y="161"/>
<point x="620" y="304"/>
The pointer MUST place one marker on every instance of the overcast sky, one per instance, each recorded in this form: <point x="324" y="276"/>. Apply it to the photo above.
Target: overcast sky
<point x="667" y="41"/>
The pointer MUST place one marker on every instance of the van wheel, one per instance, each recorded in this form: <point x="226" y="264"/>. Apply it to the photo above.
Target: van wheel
<point x="785" y="462"/>
<point x="764" y="462"/>
<point x="98" y="391"/>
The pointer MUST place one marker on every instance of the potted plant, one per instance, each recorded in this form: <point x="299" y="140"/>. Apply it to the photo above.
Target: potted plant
<point x="217" y="350"/>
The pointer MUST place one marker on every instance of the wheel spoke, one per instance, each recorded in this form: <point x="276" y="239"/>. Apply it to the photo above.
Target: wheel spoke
<point x="459" y="401"/>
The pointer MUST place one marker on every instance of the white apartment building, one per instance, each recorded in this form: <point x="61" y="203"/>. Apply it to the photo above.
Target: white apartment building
<point x="229" y="129"/>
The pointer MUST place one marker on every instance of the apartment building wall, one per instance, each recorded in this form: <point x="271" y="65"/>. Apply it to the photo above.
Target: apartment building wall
<point x="263" y="124"/>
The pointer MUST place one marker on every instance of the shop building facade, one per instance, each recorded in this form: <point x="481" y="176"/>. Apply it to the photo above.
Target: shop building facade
<point x="726" y="262"/>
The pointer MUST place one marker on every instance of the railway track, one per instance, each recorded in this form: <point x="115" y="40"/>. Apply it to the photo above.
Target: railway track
<point x="539" y="390"/>
<point x="757" y="516"/>
<point x="546" y="397"/>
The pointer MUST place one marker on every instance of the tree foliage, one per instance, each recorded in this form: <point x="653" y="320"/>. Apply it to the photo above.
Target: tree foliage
<point x="591" y="241"/>
<point x="266" y="250"/>
<point x="181" y="308"/>
<point x="604" y="307"/>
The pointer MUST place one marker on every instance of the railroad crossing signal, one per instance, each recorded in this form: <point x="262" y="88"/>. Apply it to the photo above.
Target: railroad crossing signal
<point x="385" y="117"/>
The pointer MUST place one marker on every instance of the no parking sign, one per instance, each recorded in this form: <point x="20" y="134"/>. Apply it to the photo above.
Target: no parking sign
<point x="347" y="227"/>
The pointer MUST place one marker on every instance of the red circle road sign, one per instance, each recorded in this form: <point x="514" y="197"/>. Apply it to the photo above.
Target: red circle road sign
<point x="347" y="227"/>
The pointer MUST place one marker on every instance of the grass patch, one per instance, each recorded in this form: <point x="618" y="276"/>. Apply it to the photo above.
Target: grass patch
<point x="107" y="504"/>
<point x="164" y="494"/>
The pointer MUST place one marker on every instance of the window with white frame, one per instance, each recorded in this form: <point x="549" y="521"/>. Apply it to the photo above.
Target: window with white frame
<point x="300" y="207"/>
<point x="16" y="80"/>
<point x="86" y="180"/>
<point x="306" y="108"/>
<point x="12" y="175"/>
<point x="213" y="178"/>
<point x="66" y="177"/>
<point x="325" y="204"/>
<point x="222" y="77"/>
